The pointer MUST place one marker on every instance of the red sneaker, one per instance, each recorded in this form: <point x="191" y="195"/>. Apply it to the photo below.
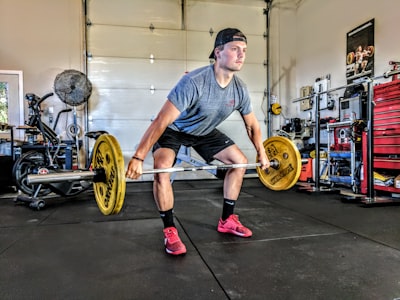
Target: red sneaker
<point x="232" y="225"/>
<point x="172" y="242"/>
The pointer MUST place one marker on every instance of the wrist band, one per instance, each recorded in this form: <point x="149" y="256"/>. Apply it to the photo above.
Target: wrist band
<point x="138" y="158"/>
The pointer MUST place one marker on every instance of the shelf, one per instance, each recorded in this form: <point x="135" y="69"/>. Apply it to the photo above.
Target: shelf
<point x="344" y="154"/>
<point x="340" y="154"/>
<point x="341" y="179"/>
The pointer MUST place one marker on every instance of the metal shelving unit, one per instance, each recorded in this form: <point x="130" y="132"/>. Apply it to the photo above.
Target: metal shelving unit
<point x="343" y="159"/>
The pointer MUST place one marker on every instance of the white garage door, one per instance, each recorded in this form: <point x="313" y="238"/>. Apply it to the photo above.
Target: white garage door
<point x="138" y="50"/>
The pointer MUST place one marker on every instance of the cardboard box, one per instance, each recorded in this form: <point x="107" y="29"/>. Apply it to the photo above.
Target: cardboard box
<point x="397" y="182"/>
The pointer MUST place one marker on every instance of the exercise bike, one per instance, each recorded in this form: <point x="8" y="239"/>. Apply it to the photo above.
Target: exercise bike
<point x="48" y="156"/>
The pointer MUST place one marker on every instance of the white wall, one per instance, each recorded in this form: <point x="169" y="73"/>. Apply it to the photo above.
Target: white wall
<point x="312" y="36"/>
<point x="42" y="38"/>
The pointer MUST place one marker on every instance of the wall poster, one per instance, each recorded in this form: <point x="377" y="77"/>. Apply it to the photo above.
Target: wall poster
<point x="360" y="52"/>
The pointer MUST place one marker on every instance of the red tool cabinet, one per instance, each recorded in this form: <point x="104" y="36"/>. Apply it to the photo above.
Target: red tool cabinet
<point x="386" y="139"/>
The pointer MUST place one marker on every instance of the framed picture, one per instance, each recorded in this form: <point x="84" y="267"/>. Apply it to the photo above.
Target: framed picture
<point x="360" y="52"/>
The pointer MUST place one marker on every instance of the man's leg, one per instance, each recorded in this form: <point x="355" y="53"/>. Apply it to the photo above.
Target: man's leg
<point x="234" y="177"/>
<point x="229" y="222"/>
<point x="162" y="187"/>
<point x="164" y="198"/>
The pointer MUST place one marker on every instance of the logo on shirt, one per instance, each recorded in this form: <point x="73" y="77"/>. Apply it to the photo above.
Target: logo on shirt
<point x="230" y="103"/>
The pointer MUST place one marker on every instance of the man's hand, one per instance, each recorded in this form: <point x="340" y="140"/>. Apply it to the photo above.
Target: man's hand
<point x="135" y="168"/>
<point x="263" y="160"/>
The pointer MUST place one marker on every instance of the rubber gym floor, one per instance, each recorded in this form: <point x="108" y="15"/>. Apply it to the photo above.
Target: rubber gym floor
<point x="304" y="246"/>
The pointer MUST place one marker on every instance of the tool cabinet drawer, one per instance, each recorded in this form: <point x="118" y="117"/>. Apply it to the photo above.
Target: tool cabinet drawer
<point x="386" y="163"/>
<point x="380" y="132"/>
<point x="381" y="109"/>
<point x="386" y="140"/>
<point x="387" y="149"/>
<point x="387" y="91"/>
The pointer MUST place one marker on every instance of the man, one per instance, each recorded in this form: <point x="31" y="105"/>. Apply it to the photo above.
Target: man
<point x="200" y="101"/>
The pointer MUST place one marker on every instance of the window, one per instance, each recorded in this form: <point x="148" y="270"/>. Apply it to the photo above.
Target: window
<point x="12" y="100"/>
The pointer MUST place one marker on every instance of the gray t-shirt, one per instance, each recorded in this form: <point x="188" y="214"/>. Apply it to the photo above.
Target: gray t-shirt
<point x="204" y="104"/>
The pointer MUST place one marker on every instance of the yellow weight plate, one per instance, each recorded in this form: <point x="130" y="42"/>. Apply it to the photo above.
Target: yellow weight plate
<point x="107" y="155"/>
<point x="350" y="58"/>
<point x="276" y="108"/>
<point x="288" y="171"/>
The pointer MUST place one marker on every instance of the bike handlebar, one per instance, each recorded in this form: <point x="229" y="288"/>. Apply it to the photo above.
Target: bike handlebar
<point x="35" y="101"/>
<point x="45" y="97"/>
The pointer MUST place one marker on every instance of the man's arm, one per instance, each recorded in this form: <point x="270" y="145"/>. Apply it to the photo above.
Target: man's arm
<point x="165" y="117"/>
<point x="254" y="133"/>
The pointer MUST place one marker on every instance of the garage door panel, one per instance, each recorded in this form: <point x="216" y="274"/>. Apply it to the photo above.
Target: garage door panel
<point x="237" y="132"/>
<point x="127" y="132"/>
<point x="199" y="45"/>
<point x="126" y="104"/>
<point x="204" y="15"/>
<point x="254" y="75"/>
<point x="110" y="72"/>
<point x="116" y="41"/>
<point x="160" y="13"/>
<point x="129" y="88"/>
<point x="257" y="101"/>
<point x="255" y="43"/>
<point x="192" y="65"/>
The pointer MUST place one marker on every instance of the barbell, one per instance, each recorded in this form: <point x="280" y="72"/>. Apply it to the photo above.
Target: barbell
<point x="108" y="171"/>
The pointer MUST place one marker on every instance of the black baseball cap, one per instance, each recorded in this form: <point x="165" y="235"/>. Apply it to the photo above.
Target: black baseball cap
<point x="228" y="35"/>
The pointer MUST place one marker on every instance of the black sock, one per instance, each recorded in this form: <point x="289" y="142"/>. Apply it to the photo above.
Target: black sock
<point x="227" y="209"/>
<point x="168" y="218"/>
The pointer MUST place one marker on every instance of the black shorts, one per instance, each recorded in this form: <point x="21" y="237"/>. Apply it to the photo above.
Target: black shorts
<point x="206" y="145"/>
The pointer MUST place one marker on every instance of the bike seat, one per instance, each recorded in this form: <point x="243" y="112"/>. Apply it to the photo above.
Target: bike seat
<point x="95" y="134"/>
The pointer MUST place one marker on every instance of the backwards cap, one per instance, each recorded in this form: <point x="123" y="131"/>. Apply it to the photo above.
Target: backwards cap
<point x="228" y="35"/>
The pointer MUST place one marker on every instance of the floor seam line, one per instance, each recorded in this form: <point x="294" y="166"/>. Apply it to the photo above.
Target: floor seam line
<point x="219" y="283"/>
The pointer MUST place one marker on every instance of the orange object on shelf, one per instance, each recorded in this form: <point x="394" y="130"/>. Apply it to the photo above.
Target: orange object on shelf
<point x="306" y="171"/>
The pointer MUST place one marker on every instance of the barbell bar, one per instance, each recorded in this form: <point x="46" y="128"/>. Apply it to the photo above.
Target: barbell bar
<point x="108" y="170"/>
<point x="97" y="174"/>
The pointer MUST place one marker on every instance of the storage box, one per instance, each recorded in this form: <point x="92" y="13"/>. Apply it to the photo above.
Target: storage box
<point x="306" y="174"/>
<point x="397" y="182"/>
